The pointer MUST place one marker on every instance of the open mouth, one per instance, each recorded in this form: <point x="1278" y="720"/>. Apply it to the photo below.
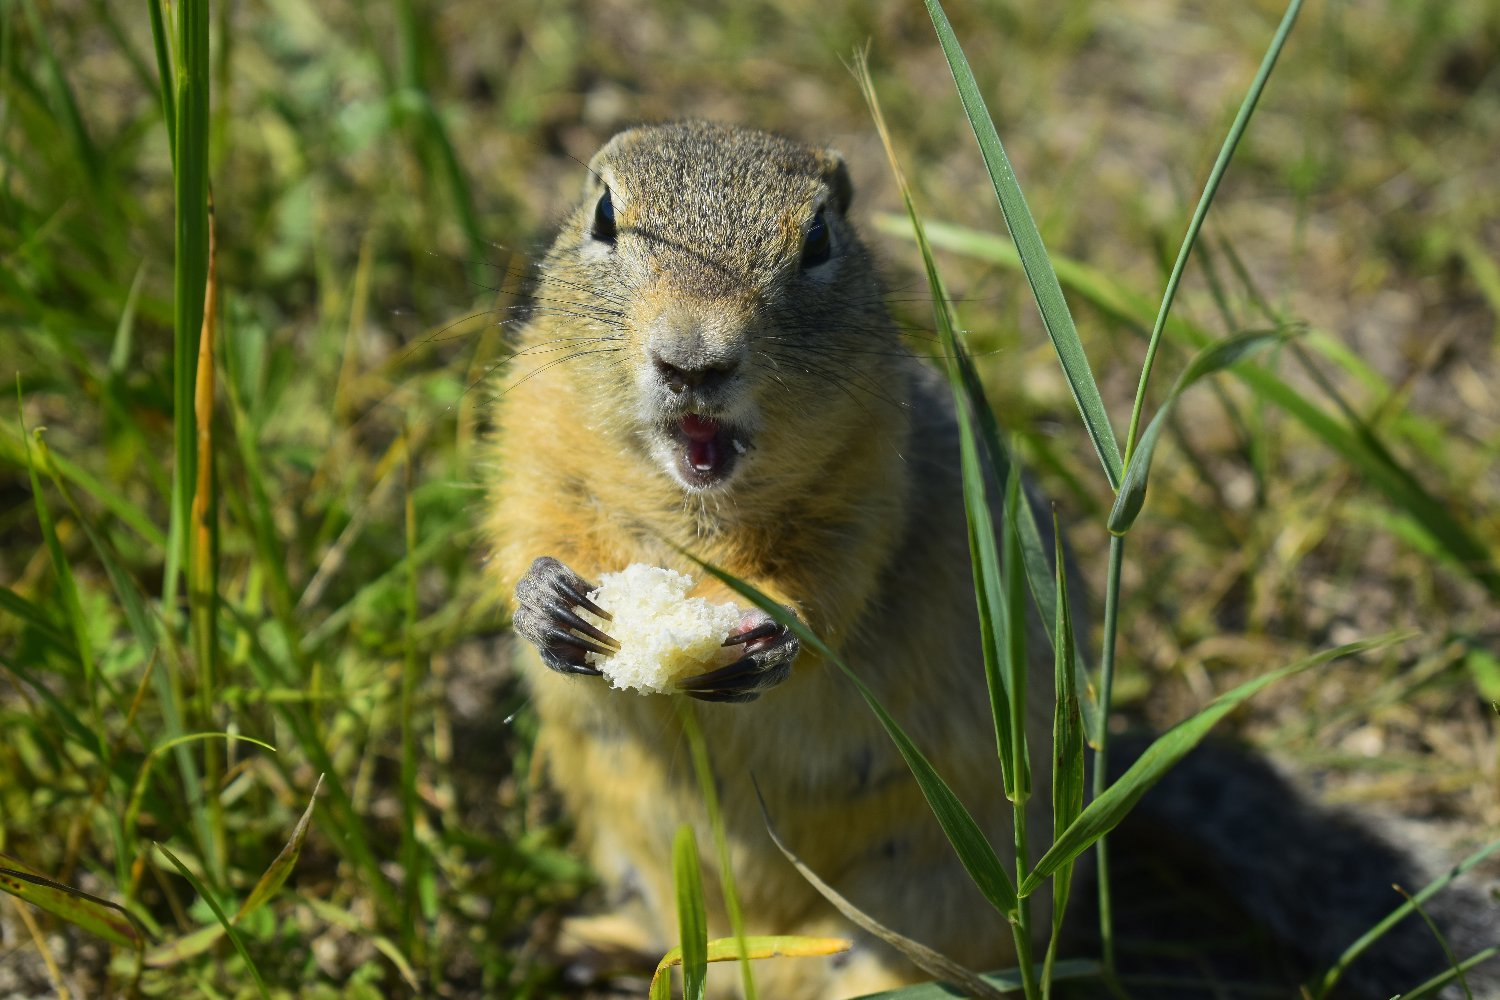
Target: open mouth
<point x="708" y="449"/>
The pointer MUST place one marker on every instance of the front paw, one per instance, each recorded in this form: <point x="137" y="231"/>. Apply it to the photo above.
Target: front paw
<point x="769" y="649"/>
<point x="547" y="599"/>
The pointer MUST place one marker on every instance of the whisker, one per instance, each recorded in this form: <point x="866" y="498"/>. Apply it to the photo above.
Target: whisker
<point x="549" y="365"/>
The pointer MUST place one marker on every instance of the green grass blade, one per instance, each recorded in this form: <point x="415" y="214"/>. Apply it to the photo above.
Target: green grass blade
<point x="104" y="12"/>
<point x="353" y="840"/>
<point x="1107" y="810"/>
<point x="180" y="949"/>
<point x="36" y="618"/>
<point x="1454" y="966"/>
<point x="1215" y="358"/>
<point x="1484" y="269"/>
<point x="1039" y="571"/>
<point x="1067" y="756"/>
<point x="223" y="918"/>
<point x="414" y="861"/>
<point x="751" y="949"/>
<point x="692" y="915"/>
<point x="934" y="963"/>
<point x="67" y="587"/>
<point x="190" y="274"/>
<point x="1442" y="979"/>
<point x="154" y="638"/>
<point x="256" y="511"/>
<point x="1356" y="443"/>
<point x="989" y="593"/>
<point x="1039" y="272"/>
<point x="106" y="920"/>
<point x="143" y="776"/>
<point x="162" y="44"/>
<point x="75" y="727"/>
<point x="112" y="499"/>
<point x="435" y="144"/>
<point x="984" y="557"/>
<point x="1226" y="153"/>
<point x="707" y="787"/>
<point x="1400" y="913"/>
<point x="199" y="941"/>
<point x="1364" y="450"/>
<point x="1017" y="667"/>
<point x="973" y="849"/>
<point x="65" y="103"/>
<point x="1006" y="981"/>
<point x="1107" y="652"/>
<point x="355" y="924"/>
<point x="457" y="179"/>
<point x="1016" y="662"/>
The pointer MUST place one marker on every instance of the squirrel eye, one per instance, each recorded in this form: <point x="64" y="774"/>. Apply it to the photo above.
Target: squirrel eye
<point x="604" y="219"/>
<point x="816" y="245"/>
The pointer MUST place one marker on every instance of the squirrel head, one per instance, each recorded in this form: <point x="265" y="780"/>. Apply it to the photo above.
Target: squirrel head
<point x="744" y="317"/>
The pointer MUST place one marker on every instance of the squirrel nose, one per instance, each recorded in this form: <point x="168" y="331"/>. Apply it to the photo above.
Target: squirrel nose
<point x="679" y="376"/>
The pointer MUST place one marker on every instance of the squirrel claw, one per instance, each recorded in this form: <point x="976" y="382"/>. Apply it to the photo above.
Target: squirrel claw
<point x="546" y="599"/>
<point x="764" y="630"/>
<point x="770" y="648"/>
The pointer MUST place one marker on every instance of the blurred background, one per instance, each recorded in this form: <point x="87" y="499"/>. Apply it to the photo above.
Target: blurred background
<point x="383" y="173"/>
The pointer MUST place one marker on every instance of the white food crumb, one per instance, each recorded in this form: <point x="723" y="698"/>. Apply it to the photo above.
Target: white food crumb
<point x="664" y="635"/>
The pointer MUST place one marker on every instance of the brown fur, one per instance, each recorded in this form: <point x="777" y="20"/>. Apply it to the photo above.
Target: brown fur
<point x="847" y="508"/>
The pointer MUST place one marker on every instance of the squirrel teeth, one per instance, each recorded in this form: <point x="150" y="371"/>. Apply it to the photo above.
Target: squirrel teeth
<point x="702" y="435"/>
<point x="710" y="450"/>
<point x="703" y="455"/>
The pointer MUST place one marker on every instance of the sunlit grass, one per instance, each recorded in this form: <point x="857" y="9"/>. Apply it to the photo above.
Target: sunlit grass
<point x="330" y="603"/>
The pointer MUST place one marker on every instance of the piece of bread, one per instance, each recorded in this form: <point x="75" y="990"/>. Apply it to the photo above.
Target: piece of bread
<point x="664" y="635"/>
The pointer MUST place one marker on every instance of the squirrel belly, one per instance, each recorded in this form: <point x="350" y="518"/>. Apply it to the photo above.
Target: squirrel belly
<point x="716" y="373"/>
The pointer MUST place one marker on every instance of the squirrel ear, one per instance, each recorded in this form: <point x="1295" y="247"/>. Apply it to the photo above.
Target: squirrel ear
<point x="836" y="175"/>
<point x="595" y="181"/>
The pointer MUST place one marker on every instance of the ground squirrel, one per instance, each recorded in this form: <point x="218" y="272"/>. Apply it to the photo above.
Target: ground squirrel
<point x="713" y="370"/>
<point x="725" y="379"/>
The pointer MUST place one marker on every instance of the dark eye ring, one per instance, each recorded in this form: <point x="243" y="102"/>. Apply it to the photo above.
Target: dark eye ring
<point x="816" y="245"/>
<point x="604" y="219"/>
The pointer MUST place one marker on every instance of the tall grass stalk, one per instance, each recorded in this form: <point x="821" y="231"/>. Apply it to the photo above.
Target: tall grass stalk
<point x="433" y="143"/>
<point x="203" y="574"/>
<point x="190" y="83"/>
<point x="1017" y="665"/>
<point x="1435" y="527"/>
<point x="1053" y="307"/>
<point x="413" y="942"/>
<point x="1205" y="201"/>
<point x="185" y="87"/>
<point x="692" y="916"/>
<point x="993" y="602"/>
<point x="227" y="924"/>
<point x="1324" y="986"/>
<point x="1067" y="750"/>
<point x="708" y="788"/>
<point x="1101" y="746"/>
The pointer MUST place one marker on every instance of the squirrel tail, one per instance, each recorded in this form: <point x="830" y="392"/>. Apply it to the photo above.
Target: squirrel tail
<point x="1226" y="875"/>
